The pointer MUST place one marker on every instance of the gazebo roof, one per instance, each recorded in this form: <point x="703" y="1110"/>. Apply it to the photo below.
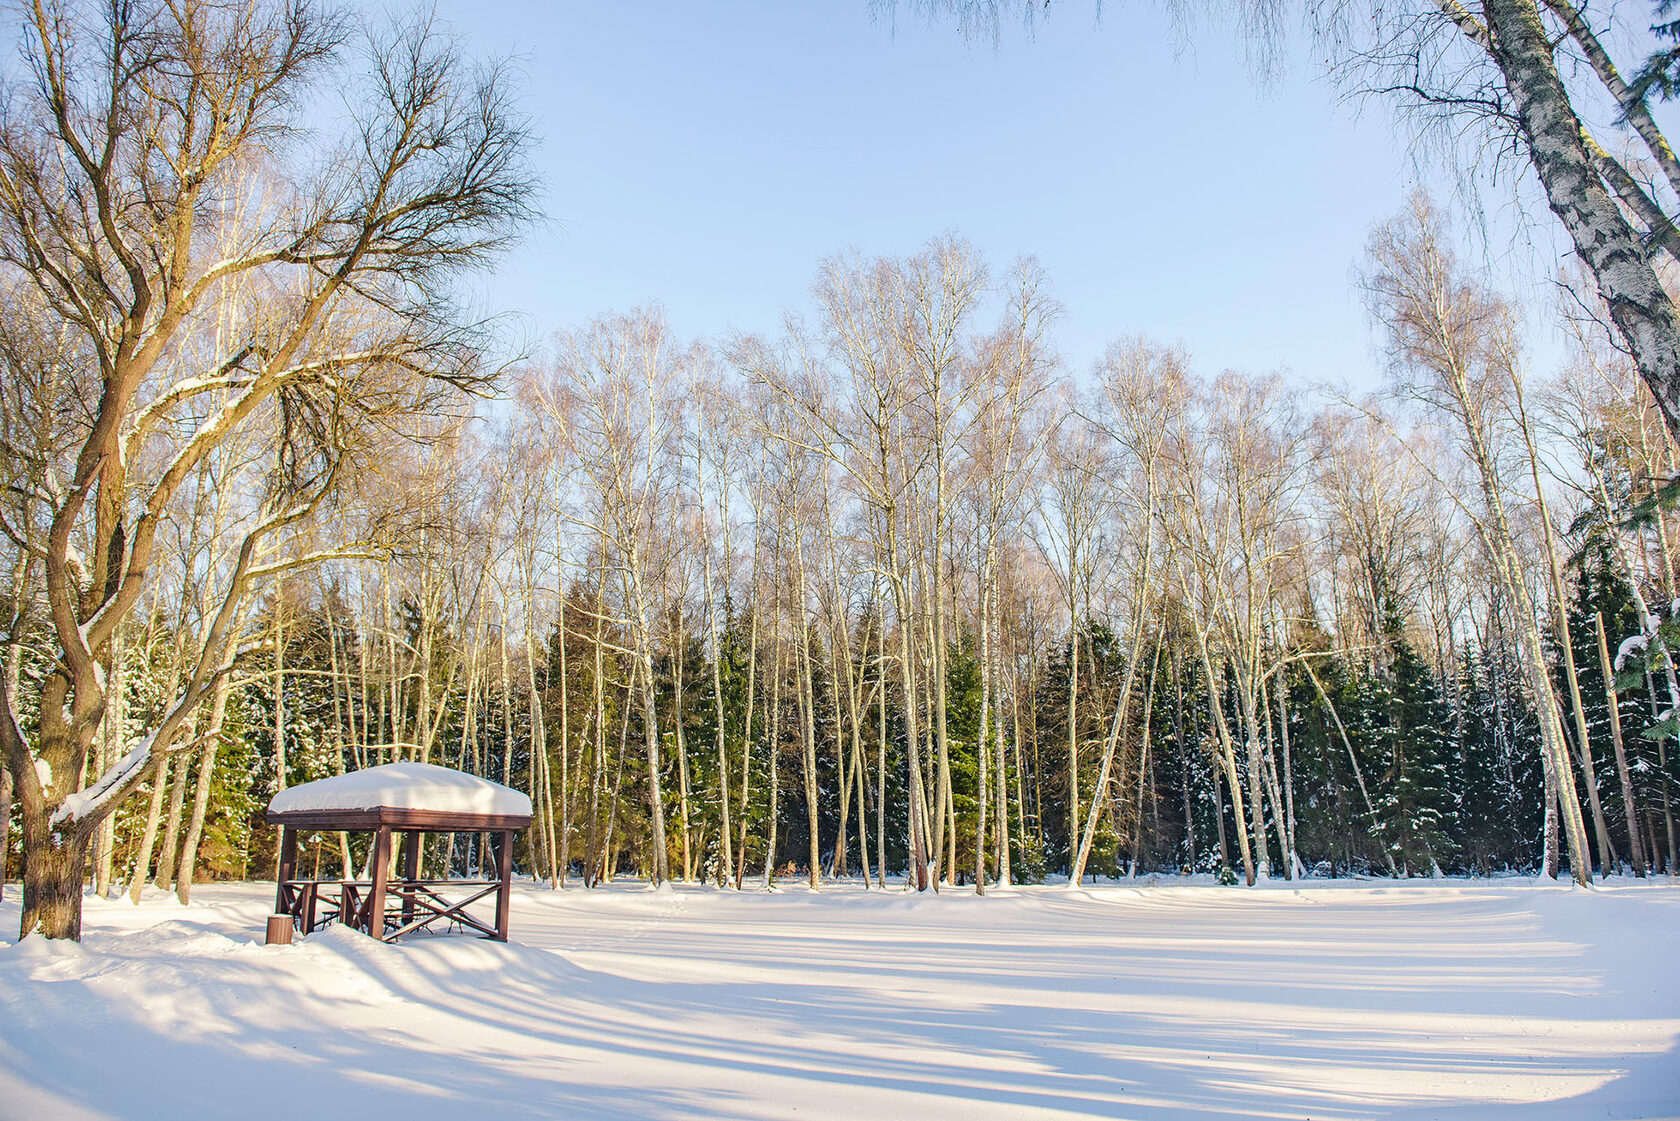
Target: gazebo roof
<point x="404" y="795"/>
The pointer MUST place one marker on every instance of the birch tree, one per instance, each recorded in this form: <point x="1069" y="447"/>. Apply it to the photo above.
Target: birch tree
<point x="1443" y="331"/>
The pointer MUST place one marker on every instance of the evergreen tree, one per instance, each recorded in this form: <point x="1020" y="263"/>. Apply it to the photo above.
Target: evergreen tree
<point x="1422" y="778"/>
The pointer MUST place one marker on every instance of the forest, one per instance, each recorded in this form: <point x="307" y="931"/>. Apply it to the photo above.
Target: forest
<point x="898" y="595"/>
<point x="891" y="594"/>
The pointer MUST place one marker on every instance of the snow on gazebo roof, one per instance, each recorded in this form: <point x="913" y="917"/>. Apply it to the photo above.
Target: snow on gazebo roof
<point x="412" y="795"/>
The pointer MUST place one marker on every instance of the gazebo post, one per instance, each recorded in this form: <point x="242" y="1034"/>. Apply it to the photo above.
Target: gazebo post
<point x="504" y="890"/>
<point x="411" y="871"/>
<point x="287" y="868"/>
<point x="376" y="896"/>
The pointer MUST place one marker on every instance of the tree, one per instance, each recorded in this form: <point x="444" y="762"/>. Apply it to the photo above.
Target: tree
<point x="211" y="267"/>
<point x="623" y="374"/>
<point x="1445" y="333"/>
<point x="1502" y="75"/>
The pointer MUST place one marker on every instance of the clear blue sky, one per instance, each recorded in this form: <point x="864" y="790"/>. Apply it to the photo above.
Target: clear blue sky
<point x="705" y="155"/>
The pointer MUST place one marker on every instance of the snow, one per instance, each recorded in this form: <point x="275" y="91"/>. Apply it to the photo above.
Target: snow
<point x="404" y="786"/>
<point x="1444" y="999"/>
<point x="43" y="774"/>
<point x="81" y="804"/>
<point x="1631" y="645"/>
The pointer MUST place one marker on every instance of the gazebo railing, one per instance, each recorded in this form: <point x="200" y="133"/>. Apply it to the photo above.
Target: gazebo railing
<point x="410" y="905"/>
<point x="389" y="906"/>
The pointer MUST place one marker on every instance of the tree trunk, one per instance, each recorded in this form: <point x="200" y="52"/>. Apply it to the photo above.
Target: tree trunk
<point x="598" y="769"/>
<point x="609" y="862"/>
<point x="189" y="866"/>
<point x="947" y="810"/>
<point x="880" y="741"/>
<point x="775" y="764"/>
<point x="747" y="732"/>
<point x="1636" y="851"/>
<point x="564" y="860"/>
<point x="650" y="741"/>
<point x="844" y="760"/>
<point x="982" y="748"/>
<point x="341" y="708"/>
<point x="1274" y="792"/>
<point x="726" y="830"/>
<point x="115" y="736"/>
<point x="1228" y="759"/>
<point x="1566" y="643"/>
<point x="1358" y="775"/>
<point x="171" y="845"/>
<point x="808" y="728"/>
<point x="1073" y="732"/>
<point x="1667" y="804"/>
<point x="148" y="836"/>
<point x="52" y="882"/>
<point x="1639" y="305"/>
<point x="680" y="744"/>
<point x="1551" y="861"/>
<point x="5" y="825"/>
<point x="201" y="797"/>
<point x="1295" y="867"/>
<point x="1253" y="746"/>
<point x="280" y="713"/>
<point x="918" y="871"/>
<point x="1100" y="791"/>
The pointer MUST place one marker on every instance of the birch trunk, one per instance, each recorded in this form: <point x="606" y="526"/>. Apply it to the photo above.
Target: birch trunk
<point x="775" y="761"/>
<point x="982" y="748"/>
<point x="116" y="731"/>
<point x="681" y="746"/>
<point x="5" y="826"/>
<point x="881" y="744"/>
<point x="1227" y="758"/>
<point x="1639" y="305"/>
<point x="148" y="836"/>
<point x="201" y="794"/>
<point x="808" y="729"/>
<point x="746" y="733"/>
<point x="1635" y="848"/>
<point x="1116" y="730"/>
<point x="720" y="735"/>
<point x="1353" y="760"/>
<point x="563" y="864"/>
<point x="918" y="871"/>
<point x="1560" y="619"/>
<point x="1296" y="869"/>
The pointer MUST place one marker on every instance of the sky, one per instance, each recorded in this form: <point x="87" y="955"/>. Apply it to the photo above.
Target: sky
<point x="705" y="155"/>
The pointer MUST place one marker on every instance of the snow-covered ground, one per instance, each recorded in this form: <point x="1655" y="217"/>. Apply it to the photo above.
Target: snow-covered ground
<point x="1413" y="1000"/>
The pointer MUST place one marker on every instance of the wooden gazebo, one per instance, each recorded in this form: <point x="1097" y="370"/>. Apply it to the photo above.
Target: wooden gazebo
<point x="411" y="799"/>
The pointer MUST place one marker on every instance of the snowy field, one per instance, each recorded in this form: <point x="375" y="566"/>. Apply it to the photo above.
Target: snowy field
<point x="1416" y="1000"/>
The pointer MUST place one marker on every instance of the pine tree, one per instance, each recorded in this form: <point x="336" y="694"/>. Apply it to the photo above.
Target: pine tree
<point x="1423" y="773"/>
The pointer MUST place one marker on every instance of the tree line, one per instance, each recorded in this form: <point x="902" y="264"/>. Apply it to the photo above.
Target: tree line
<point x="888" y="593"/>
<point x="895" y="597"/>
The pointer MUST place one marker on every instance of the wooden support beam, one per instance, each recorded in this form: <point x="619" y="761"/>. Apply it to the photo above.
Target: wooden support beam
<point x="376" y="895"/>
<point x="287" y="869"/>
<point x="504" y="891"/>
<point x="411" y="872"/>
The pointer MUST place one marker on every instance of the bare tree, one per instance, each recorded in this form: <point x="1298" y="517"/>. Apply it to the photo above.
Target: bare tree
<point x="130" y="155"/>
<point x="1444" y="332"/>
<point x="625" y="376"/>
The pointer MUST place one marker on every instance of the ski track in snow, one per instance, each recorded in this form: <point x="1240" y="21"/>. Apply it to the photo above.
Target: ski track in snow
<point x="1426" y="999"/>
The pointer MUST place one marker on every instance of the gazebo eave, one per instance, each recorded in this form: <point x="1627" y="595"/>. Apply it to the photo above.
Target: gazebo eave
<point x="419" y="820"/>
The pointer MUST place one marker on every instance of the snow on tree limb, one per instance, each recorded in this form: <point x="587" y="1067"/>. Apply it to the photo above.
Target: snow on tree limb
<point x="110" y="785"/>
